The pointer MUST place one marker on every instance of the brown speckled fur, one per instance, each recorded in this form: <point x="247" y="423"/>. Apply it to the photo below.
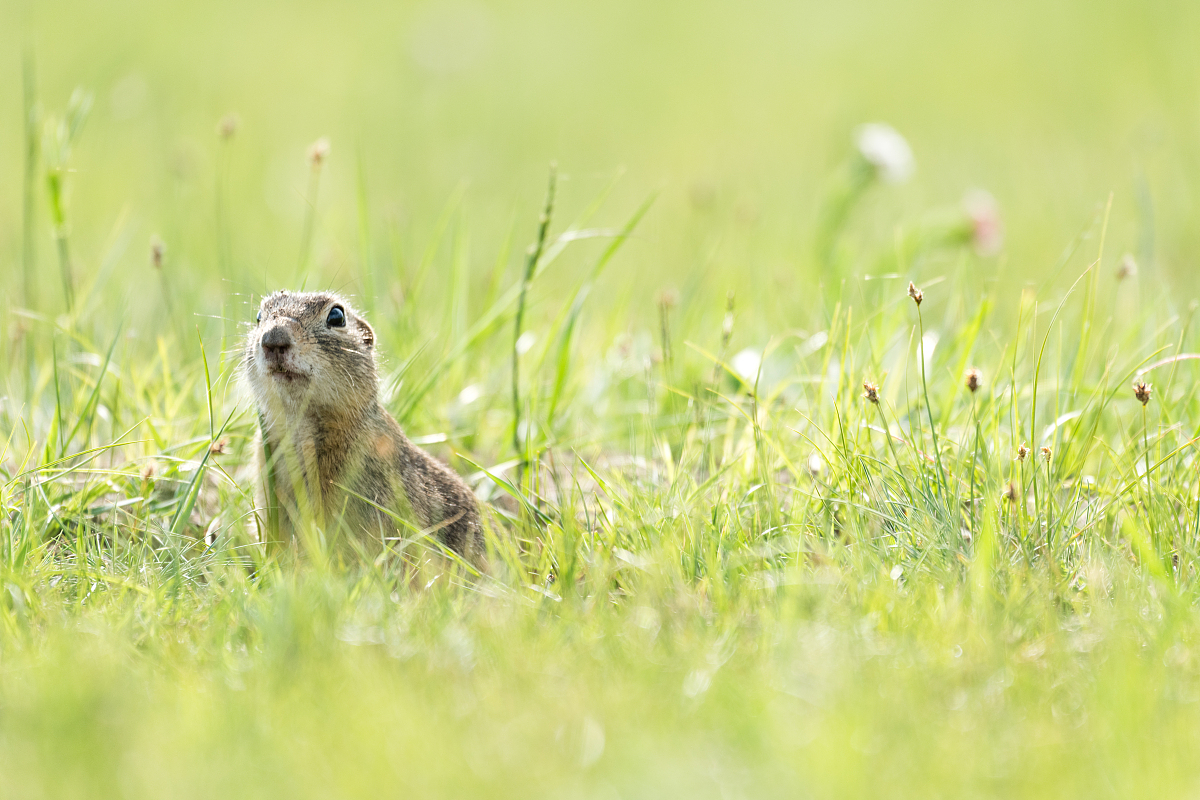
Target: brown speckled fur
<point x="316" y="389"/>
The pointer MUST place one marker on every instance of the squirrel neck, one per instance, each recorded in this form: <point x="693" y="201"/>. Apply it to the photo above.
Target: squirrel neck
<point x="326" y="436"/>
<point x="336" y="432"/>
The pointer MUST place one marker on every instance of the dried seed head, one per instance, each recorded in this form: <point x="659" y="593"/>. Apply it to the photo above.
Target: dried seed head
<point x="228" y="126"/>
<point x="916" y="294"/>
<point x="668" y="298"/>
<point x="158" y="251"/>
<point x="871" y="392"/>
<point x="1046" y="454"/>
<point x="318" y="151"/>
<point x="1022" y="452"/>
<point x="1010" y="492"/>
<point x="219" y="447"/>
<point x="1142" y="390"/>
<point x="1127" y="268"/>
<point x="974" y="380"/>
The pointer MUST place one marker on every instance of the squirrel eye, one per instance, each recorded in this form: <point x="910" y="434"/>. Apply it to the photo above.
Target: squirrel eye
<point x="336" y="318"/>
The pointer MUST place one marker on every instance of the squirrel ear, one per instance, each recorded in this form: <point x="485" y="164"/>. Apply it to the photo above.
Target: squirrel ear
<point x="368" y="334"/>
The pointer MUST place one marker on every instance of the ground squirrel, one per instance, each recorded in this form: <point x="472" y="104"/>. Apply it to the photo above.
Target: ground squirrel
<point x="328" y="451"/>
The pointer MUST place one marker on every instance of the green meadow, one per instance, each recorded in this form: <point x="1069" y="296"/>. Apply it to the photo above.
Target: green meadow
<point x="827" y="374"/>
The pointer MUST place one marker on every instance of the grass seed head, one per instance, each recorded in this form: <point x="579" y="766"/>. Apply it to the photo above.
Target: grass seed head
<point x="1127" y="268"/>
<point x="916" y="294"/>
<point x="1010" y="492"/>
<point x="1142" y="391"/>
<point x="158" y="251"/>
<point x="871" y="392"/>
<point x="318" y="151"/>
<point x="1047" y="453"/>
<point x="727" y="323"/>
<point x="974" y="380"/>
<point x="228" y="126"/>
<point x="1022" y="452"/>
<point x="986" y="227"/>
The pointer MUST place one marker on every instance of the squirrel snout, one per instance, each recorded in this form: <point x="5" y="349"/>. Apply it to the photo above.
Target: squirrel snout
<point x="276" y="342"/>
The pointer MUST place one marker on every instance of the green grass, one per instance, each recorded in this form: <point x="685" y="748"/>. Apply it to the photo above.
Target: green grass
<point x="717" y="569"/>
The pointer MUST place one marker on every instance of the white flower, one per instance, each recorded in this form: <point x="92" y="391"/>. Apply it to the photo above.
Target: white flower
<point x="470" y="394"/>
<point x="746" y="364"/>
<point x="886" y="150"/>
<point x="525" y="342"/>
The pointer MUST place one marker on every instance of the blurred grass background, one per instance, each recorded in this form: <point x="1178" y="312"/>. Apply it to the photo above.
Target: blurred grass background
<point x="739" y="114"/>
<point x="752" y="594"/>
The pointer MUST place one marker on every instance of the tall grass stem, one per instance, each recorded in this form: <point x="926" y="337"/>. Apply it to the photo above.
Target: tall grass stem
<point x="531" y="260"/>
<point x="937" y="450"/>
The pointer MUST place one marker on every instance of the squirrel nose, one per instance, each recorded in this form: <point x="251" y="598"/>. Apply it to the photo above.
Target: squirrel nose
<point x="276" y="342"/>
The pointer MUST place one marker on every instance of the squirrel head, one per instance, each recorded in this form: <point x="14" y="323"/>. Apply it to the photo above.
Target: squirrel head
<point x="310" y="352"/>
